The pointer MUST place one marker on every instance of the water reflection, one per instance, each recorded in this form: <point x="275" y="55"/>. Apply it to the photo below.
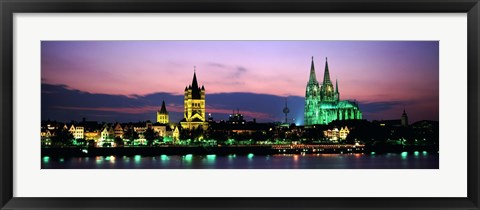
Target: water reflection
<point x="164" y="158"/>
<point x="46" y="159"/>
<point x="249" y="161"/>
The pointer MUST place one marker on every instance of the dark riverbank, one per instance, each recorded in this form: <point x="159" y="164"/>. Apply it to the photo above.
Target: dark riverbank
<point x="225" y="150"/>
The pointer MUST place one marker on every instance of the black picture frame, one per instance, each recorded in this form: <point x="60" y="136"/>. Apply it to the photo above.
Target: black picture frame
<point x="10" y="7"/>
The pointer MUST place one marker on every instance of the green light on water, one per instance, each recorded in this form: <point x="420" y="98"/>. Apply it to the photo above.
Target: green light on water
<point x="188" y="157"/>
<point x="46" y="159"/>
<point x="107" y="158"/>
<point x="404" y="155"/>
<point x="424" y="152"/>
<point x="250" y="155"/>
<point x="112" y="159"/>
<point x="137" y="158"/>
<point x="163" y="157"/>
<point x="62" y="160"/>
<point x="416" y="153"/>
<point x="373" y="153"/>
<point x="211" y="157"/>
<point x="98" y="160"/>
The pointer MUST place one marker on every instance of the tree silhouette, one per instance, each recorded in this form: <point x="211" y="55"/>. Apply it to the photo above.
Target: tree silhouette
<point x="150" y="136"/>
<point x="62" y="137"/>
<point x="197" y="133"/>
<point x="131" y="135"/>
<point x="118" y="142"/>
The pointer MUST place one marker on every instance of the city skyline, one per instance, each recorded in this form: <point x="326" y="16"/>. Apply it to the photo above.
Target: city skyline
<point x="127" y="80"/>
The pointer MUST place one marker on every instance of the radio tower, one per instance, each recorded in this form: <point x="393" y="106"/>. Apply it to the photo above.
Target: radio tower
<point x="286" y="111"/>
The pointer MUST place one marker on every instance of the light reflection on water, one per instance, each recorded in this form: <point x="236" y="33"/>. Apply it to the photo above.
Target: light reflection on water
<point x="405" y="160"/>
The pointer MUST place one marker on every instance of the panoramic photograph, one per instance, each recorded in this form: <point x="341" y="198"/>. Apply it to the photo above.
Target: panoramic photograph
<point x="306" y="104"/>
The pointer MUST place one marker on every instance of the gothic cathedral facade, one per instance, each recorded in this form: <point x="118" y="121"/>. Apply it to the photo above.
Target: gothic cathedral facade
<point x="322" y="102"/>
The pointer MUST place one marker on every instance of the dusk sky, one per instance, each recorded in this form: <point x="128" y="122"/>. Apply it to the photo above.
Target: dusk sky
<point x="127" y="80"/>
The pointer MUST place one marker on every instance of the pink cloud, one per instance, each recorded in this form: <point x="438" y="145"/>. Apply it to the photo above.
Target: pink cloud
<point x="126" y="110"/>
<point x="170" y="108"/>
<point x="250" y="114"/>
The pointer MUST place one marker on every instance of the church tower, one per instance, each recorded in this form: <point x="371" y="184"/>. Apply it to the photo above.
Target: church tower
<point x="162" y="114"/>
<point x="194" y="105"/>
<point x="327" y="93"/>
<point x="404" y="119"/>
<point x="311" y="98"/>
<point x="337" y="93"/>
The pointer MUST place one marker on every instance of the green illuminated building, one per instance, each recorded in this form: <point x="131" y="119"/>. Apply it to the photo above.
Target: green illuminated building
<point x="322" y="102"/>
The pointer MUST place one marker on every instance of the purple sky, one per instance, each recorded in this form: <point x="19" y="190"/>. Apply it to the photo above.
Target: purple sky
<point x="372" y="72"/>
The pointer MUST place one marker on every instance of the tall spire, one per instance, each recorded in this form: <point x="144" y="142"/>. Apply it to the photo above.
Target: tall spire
<point x="195" y="89"/>
<point x="313" y="77"/>
<point x="163" y="110"/>
<point x="326" y="75"/>
<point x="194" y="82"/>
<point x="336" y="85"/>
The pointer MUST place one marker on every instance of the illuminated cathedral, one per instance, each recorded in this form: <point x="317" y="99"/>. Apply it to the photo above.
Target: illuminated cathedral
<point x="194" y="106"/>
<point x="322" y="102"/>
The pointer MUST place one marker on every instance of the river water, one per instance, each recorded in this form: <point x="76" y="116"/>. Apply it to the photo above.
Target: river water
<point x="412" y="160"/>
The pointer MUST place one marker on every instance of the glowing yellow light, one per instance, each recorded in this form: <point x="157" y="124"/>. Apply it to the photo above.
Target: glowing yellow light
<point x="112" y="159"/>
<point x="295" y="158"/>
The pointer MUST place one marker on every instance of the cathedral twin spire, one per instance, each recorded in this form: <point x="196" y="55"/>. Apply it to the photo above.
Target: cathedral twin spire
<point x="326" y="75"/>
<point x="313" y="77"/>
<point x="336" y="86"/>
<point x="322" y="101"/>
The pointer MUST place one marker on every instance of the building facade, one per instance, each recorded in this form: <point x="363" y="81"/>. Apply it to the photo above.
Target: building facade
<point x="322" y="102"/>
<point x="194" y="106"/>
<point x="77" y="131"/>
<point x="118" y="130"/>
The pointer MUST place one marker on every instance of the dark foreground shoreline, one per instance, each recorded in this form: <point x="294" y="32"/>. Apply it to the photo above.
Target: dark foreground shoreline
<point x="224" y="150"/>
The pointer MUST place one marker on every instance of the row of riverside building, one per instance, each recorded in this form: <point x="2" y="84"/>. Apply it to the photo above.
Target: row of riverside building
<point x="104" y="134"/>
